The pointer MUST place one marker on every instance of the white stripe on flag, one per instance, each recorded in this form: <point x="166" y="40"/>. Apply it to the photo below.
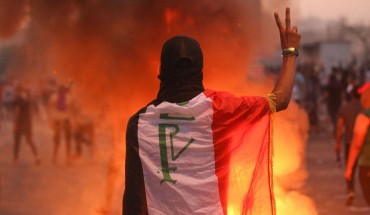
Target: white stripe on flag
<point x="179" y="176"/>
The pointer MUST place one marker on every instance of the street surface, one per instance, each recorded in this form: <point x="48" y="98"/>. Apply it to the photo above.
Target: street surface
<point x="325" y="183"/>
<point x="81" y="188"/>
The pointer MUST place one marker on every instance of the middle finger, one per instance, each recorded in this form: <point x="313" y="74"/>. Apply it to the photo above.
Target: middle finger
<point x="287" y="18"/>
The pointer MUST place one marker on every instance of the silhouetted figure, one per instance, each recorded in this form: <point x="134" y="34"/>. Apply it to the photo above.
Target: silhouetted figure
<point x="60" y="121"/>
<point x="23" y="122"/>
<point x="83" y="130"/>
<point x="333" y="93"/>
<point x="8" y="95"/>
<point x="312" y="88"/>
<point x="347" y="116"/>
<point x="360" y="147"/>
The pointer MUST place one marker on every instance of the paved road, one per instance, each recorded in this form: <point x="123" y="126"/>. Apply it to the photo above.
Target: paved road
<point x="47" y="189"/>
<point x="325" y="184"/>
<point x="79" y="189"/>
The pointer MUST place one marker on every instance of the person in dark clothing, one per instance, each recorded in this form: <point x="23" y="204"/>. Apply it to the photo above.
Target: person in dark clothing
<point x="333" y="99"/>
<point x="84" y="134"/>
<point x="59" y="111"/>
<point x="153" y="183"/>
<point x="23" y="122"/>
<point x="346" y="120"/>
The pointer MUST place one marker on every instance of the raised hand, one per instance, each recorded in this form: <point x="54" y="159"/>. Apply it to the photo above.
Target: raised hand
<point x="289" y="36"/>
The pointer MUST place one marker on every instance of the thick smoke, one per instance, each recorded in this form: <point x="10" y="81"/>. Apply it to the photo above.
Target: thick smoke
<point x="12" y="15"/>
<point x="110" y="50"/>
<point x="108" y="45"/>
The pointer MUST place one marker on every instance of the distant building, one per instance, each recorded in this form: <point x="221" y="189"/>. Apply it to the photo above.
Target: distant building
<point x="327" y="54"/>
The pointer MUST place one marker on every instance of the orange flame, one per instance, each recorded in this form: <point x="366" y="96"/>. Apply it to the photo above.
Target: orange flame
<point x="114" y="64"/>
<point x="171" y="15"/>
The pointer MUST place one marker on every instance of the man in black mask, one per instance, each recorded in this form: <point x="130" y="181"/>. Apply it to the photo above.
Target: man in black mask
<point x="179" y="147"/>
<point x="181" y="71"/>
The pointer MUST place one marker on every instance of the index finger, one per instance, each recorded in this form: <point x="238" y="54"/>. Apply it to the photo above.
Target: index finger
<point x="287" y="18"/>
<point x="278" y="22"/>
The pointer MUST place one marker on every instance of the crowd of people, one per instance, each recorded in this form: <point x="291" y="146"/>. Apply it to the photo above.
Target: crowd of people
<point x="333" y="101"/>
<point x="24" y="102"/>
<point x="315" y="87"/>
<point x="338" y="100"/>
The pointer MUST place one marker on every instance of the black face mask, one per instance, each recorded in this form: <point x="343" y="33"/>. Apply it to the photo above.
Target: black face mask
<point x="181" y="71"/>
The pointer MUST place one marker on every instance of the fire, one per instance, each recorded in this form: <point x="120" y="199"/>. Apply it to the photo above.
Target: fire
<point x="175" y="17"/>
<point x="171" y="15"/>
<point x="114" y="66"/>
<point x="238" y="182"/>
<point x="289" y="138"/>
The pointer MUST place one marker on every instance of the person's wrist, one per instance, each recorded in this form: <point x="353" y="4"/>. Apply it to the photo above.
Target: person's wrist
<point x="291" y="51"/>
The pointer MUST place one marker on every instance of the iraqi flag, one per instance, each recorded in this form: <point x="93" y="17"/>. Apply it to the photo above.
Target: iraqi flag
<point x="211" y="155"/>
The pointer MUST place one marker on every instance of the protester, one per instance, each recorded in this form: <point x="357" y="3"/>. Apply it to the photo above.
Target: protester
<point x="23" y="121"/>
<point x="333" y="96"/>
<point x="179" y="147"/>
<point x="8" y="95"/>
<point x="83" y="130"/>
<point x="59" y="115"/>
<point x="312" y="86"/>
<point x="346" y="120"/>
<point x="360" y="147"/>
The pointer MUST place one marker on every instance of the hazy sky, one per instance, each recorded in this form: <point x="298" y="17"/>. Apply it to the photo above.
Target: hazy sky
<point x="355" y="11"/>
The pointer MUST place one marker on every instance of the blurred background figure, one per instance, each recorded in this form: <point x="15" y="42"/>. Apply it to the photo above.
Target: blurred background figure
<point x="83" y="130"/>
<point x="59" y="116"/>
<point x="8" y="94"/>
<point x="360" y="147"/>
<point x="311" y="94"/>
<point x="346" y="121"/>
<point x="23" y="121"/>
<point x="333" y="97"/>
<point x="351" y="83"/>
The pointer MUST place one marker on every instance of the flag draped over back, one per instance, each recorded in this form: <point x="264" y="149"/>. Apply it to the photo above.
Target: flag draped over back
<point x="209" y="155"/>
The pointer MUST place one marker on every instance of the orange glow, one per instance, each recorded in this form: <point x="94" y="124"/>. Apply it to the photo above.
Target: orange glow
<point x="114" y="73"/>
<point x="176" y="20"/>
<point x="237" y="183"/>
<point x="171" y="15"/>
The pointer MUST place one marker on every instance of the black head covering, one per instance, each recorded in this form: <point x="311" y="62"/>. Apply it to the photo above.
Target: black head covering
<point x="181" y="71"/>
